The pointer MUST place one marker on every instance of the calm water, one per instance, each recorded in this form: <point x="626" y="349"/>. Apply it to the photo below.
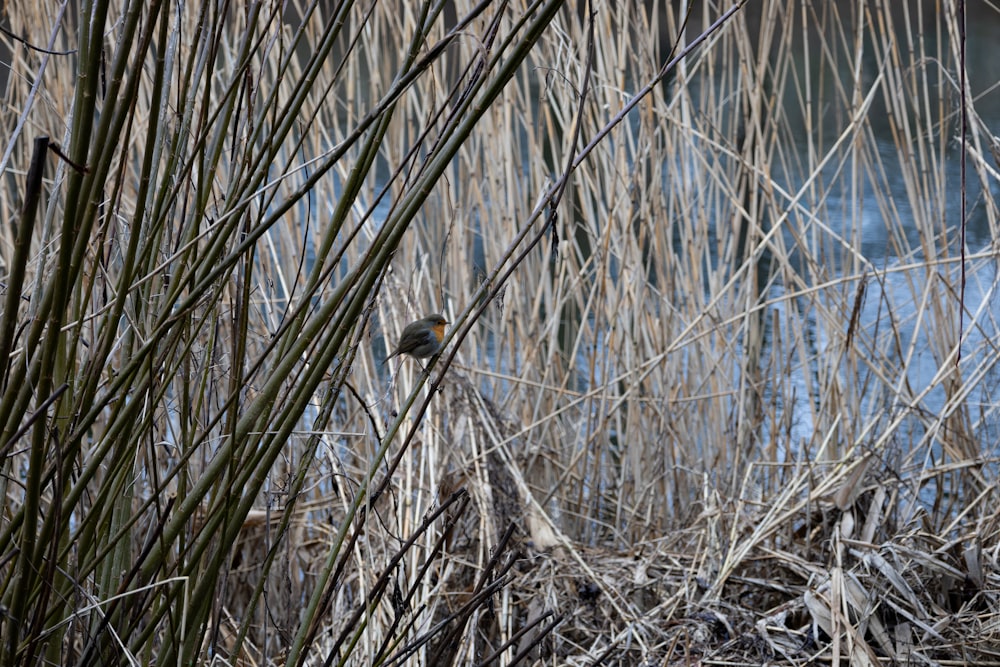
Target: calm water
<point x="897" y="296"/>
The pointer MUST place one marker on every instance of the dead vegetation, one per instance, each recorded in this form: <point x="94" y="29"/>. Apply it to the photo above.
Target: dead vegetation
<point x="717" y="389"/>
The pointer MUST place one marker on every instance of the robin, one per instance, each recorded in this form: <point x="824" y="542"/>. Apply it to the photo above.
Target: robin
<point x="421" y="339"/>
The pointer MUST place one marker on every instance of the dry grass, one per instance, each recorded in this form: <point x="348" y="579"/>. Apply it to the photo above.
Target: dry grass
<point x="728" y="402"/>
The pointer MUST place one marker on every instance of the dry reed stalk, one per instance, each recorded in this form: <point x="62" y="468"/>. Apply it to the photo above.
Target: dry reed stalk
<point x="717" y="414"/>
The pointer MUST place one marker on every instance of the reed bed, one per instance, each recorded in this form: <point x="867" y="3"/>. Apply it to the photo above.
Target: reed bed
<point x="717" y="386"/>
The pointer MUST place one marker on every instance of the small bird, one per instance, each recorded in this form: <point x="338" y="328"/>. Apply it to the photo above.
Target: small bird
<point x="421" y="339"/>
